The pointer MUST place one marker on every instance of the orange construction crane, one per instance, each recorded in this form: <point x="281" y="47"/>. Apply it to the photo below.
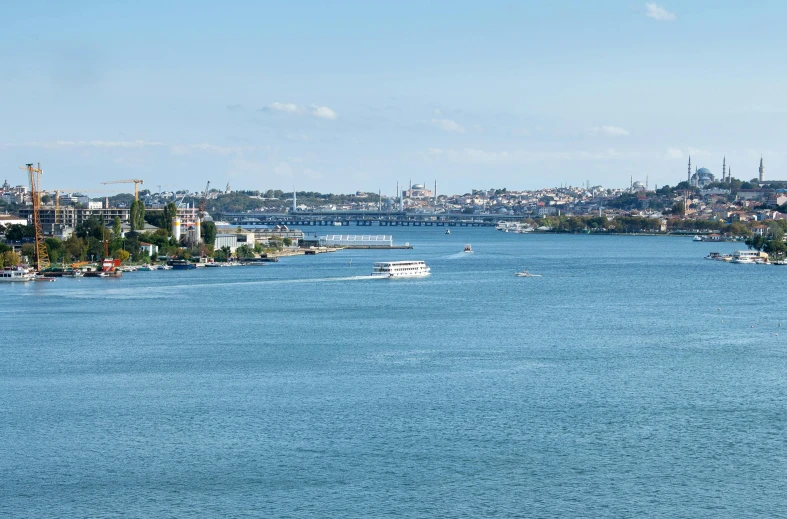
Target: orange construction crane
<point x="136" y="182"/>
<point x="41" y="255"/>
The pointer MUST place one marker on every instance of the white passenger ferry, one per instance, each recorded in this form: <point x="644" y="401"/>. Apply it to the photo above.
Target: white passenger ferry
<point x="400" y="269"/>
<point x="749" y="257"/>
<point x="15" y="274"/>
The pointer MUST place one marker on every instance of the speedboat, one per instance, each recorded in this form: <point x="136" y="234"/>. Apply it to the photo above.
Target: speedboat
<point x="468" y="248"/>
<point x="448" y="231"/>
<point x="526" y="274"/>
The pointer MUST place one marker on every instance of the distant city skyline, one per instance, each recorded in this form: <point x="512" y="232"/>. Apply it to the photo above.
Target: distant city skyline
<point x="357" y="95"/>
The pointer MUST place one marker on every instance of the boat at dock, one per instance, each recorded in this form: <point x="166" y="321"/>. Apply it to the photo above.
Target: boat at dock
<point x="717" y="256"/>
<point x="749" y="257"/>
<point x="181" y="264"/>
<point x="15" y="274"/>
<point x="400" y="269"/>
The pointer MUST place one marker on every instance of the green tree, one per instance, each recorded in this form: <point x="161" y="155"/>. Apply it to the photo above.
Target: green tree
<point x="244" y="252"/>
<point x="28" y="250"/>
<point x="170" y="212"/>
<point x="93" y="227"/>
<point x="10" y="258"/>
<point x="137" y="215"/>
<point x="117" y="227"/>
<point x="75" y="248"/>
<point x="287" y="242"/>
<point x="54" y="248"/>
<point x="122" y="255"/>
<point x="208" y="230"/>
<point x="17" y="232"/>
<point x="737" y="229"/>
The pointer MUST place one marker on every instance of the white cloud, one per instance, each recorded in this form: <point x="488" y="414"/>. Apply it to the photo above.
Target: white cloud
<point x="321" y="112"/>
<point x="610" y="131"/>
<point x="284" y="107"/>
<point x="657" y="12"/>
<point x="447" y="125"/>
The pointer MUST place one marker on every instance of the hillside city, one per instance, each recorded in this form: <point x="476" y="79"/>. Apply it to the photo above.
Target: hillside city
<point x="77" y="226"/>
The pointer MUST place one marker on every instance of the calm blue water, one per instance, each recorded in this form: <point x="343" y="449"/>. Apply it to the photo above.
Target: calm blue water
<point x="633" y="378"/>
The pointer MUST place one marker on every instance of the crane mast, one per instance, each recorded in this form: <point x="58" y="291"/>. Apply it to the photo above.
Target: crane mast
<point x="41" y="255"/>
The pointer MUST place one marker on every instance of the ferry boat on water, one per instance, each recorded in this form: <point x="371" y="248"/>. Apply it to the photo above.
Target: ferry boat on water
<point x="16" y="274"/>
<point x="400" y="269"/>
<point x="749" y="257"/>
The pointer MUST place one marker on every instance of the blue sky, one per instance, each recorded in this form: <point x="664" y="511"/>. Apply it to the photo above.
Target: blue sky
<point x="346" y="96"/>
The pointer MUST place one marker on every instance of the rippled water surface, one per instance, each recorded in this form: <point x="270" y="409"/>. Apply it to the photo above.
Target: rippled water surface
<point x="633" y="378"/>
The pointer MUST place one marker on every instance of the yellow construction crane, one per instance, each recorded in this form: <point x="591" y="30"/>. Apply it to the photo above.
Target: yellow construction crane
<point x="42" y="257"/>
<point x="136" y="182"/>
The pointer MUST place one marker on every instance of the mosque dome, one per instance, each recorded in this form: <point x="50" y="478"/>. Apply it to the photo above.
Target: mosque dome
<point x="418" y="186"/>
<point x="704" y="172"/>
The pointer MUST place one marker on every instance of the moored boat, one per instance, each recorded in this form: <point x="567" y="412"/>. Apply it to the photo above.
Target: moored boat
<point x="15" y="274"/>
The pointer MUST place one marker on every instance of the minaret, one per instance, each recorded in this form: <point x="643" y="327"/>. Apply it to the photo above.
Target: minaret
<point x="729" y="175"/>
<point x="688" y="176"/>
<point x="724" y="169"/>
<point x="762" y="169"/>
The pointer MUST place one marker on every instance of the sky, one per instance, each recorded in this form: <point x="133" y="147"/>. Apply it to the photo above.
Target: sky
<point x="357" y="95"/>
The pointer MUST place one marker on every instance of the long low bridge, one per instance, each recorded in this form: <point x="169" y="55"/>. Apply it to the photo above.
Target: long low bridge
<point x="366" y="218"/>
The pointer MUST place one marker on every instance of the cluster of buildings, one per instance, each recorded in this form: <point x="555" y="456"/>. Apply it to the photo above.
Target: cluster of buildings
<point x="701" y="196"/>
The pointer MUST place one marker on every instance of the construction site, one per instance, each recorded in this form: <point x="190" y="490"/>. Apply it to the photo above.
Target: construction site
<point x="58" y="212"/>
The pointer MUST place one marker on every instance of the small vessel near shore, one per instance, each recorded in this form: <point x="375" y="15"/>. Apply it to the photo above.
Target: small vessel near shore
<point x="717" y="256"/>
<point x="697" y="238"/>
<point x="16" y="274"/>
<point x="400" y="269"/>
<point x="468" y="248"/>
<point x="182" y="264"/>
<point x="448" y="231"/>
<point x="749" y="257"/>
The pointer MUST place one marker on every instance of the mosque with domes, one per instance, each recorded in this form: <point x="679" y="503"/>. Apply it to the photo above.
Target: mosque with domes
<point x="703" y="176"/>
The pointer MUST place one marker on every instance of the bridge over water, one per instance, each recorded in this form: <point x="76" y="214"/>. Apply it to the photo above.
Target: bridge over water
<point x="367" y="218"/>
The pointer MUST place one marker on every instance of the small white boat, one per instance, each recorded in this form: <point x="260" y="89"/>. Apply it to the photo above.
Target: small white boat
<point x="526" y="274"/>
<point x="468" y="248"/>
<point x="697" y="238"/>
<point x="448" y="231"/>
<point x="146" y="268"/>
